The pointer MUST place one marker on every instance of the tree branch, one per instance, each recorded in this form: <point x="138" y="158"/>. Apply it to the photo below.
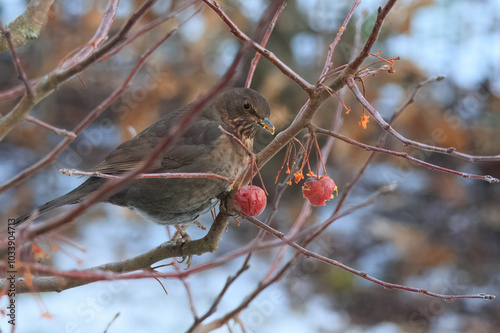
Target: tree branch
<point x="28" y="25"/>
<point x="308" y="88"/>
<point x="46" y="85"/>
<point x="73" y="172"/>
<point x="169" y="249"/>
<point x="407" y="142"/>
<point x="50" y="157"/>
<point x="404" y="155"/>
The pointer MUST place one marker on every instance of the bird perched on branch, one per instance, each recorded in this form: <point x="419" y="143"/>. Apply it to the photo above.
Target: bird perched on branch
<point x="202" y="148"/>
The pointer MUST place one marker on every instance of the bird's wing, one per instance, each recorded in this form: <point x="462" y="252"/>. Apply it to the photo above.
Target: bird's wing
<point x="200" y="136"/>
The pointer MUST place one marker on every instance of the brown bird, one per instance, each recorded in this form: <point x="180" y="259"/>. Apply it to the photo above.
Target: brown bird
<point x="203" y="147"/>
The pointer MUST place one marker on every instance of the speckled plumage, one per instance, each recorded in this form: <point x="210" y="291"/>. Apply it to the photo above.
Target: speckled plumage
<point x="201" y="148"/>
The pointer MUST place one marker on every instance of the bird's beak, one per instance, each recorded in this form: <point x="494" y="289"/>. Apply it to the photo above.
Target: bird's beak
<point x="268" y="126"/>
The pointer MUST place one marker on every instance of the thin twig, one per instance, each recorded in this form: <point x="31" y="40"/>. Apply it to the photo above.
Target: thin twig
<point x="306" y="86"/>
<point x="74" y="172"/>
<point x="404" y="155"/>
<point x="302" y="251"/>
<point x="21" y="74"/>
<point x="17" y="91"/>
<point x="111" y="322"/>
<point x="331" y="48"/>
<point x="28" y="25"/>
<point x="100" y="36"/>
<point x="318" y="97"/>
<point x="108" y="188"/>
<point x="217" y="300"/>
<point x="407" y="142"/>
<point x="46" y="85"/>
<point x="51" y="156"/>
<point x="265" y="39"/>
<point x="152" y="25"/>
<point x="353" y="66"/>
<point x="58" y="131"/>
<point x="238" y="141"/>
<point x="361" y="274"/>
<point x="381" y="141"/>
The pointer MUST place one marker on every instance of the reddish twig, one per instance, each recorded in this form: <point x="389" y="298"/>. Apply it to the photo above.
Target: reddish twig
<point x="73" y="172"/>
<point x="161" y="252"/>
<point x="407" y="142"/>
<point x="19" y="90"/>
<point x="51" y="156"/>
<point x="302" y="251"/>
<point x="321" y="94"/>
<point x="221" y="294"/>
<point x="238" y="141"/>
<point x="59" y="131"/>
<point x="265" y="39"/>
<point x="347" y="189"/>
<point x="16" y="91"/>
<point x="336" y="263"/>
<point x="152" y="25"/>
<point x="353" y="66"/>
<point x="308" y="88"/>
<point x="404" y="155"/>
<point x="21" y="74"/>
<point x="99" y="37"/>
<point x="46" y="85"/>
<point x="299" y="222"/>
<point x="331" y="48"/>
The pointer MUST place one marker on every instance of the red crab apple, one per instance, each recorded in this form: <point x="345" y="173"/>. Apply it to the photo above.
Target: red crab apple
<point x="318" y="190"/>
<point x="250" y="199"/>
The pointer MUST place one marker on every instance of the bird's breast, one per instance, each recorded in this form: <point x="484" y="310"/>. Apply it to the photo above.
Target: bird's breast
<point x="229" y="158"/>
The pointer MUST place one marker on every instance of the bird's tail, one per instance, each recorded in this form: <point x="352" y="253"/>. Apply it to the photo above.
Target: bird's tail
<point x="70" y="198"/>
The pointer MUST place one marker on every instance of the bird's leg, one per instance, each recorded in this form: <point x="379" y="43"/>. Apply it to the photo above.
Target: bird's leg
<point x="199" y="225"/>
<point x="181" y="234"/>
<point x="182" y="238"/>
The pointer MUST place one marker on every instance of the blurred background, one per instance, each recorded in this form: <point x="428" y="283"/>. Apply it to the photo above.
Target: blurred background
<point x="436" y="231"/>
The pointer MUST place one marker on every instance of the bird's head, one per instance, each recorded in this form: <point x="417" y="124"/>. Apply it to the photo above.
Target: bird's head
<point x="242" y="109"/>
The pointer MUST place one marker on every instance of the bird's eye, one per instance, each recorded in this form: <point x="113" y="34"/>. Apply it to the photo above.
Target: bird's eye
<point x="246" y="106"/>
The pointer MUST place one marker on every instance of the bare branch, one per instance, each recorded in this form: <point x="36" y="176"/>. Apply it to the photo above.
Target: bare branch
<point x="58" y="131"/>
<point x="331" y="48"/>
<point x="265" y="39"/>
<point x="266" y="53"/>
<point x="407" y="142"/>
<point x="27" y="27"/>
<point x="406" y="156"/>
<point x="99" y="37"/>
<point x="21" y="74"/>
<point x="361" y="274"/>
<point x="319" y="95"/>
<point x="74" y="172"/>
<point x="50" y="82"/>
<point x="70" y="279"/>
<point x="50" y="157"/>
<point x="216" y="302"/>
<point x="353" y="66"/>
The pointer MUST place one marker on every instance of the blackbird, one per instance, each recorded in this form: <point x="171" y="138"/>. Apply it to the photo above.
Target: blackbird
<point x="202" y="147"/>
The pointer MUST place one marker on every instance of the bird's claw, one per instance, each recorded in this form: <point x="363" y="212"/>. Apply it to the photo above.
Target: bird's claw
<point x="188" y="261"/>
<point x="181" y="238"/>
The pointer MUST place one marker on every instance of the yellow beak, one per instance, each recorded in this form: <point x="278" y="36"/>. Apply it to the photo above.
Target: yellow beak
<point x="268" y="126"/>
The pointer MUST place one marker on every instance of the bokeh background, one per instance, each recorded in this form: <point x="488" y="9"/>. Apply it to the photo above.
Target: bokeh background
<point x="436" y="231"/>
